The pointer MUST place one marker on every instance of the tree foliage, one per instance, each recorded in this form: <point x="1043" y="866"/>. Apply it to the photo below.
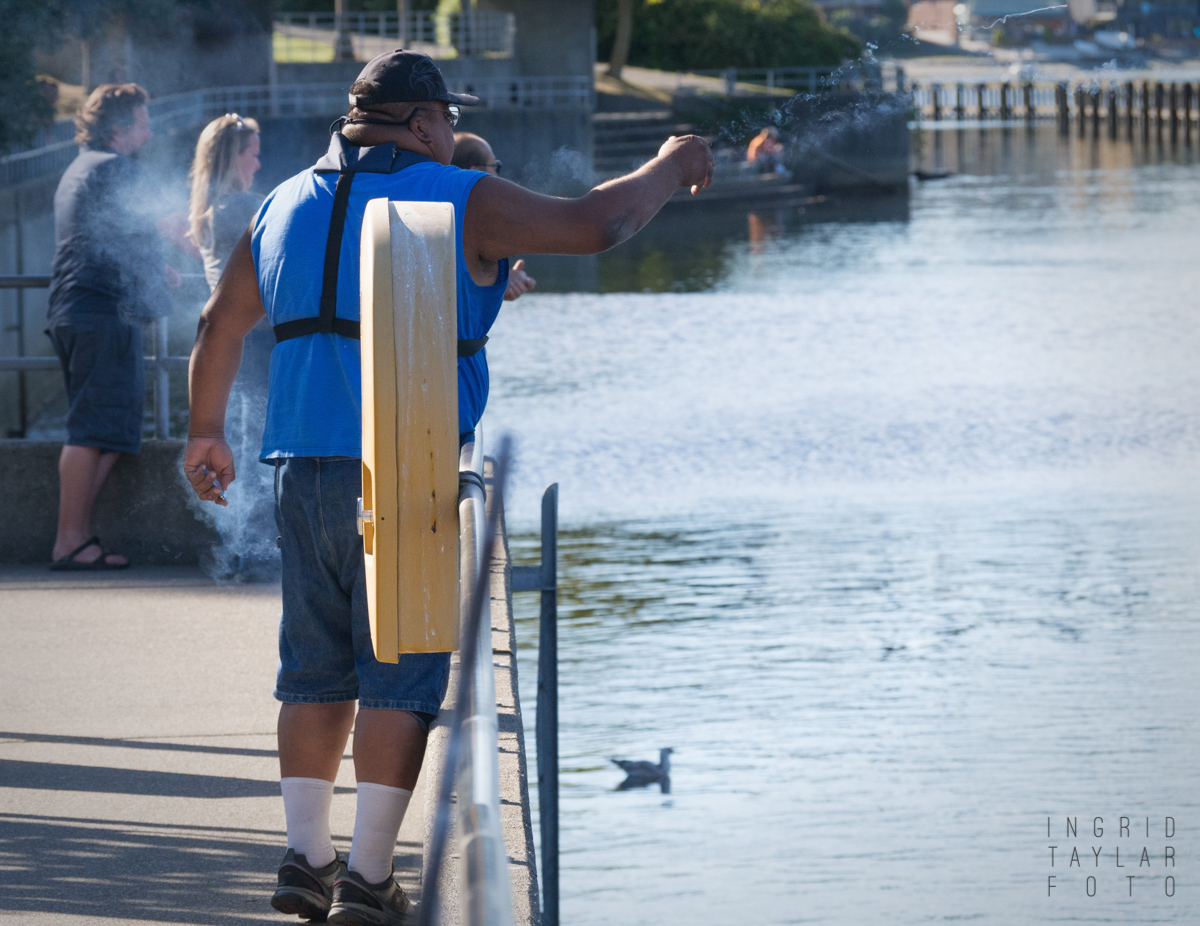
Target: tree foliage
<point x="29" y="26"/>
<point x="24" y="108"/>
<point x="680" y="35"/>
<point x="883" y="29"/>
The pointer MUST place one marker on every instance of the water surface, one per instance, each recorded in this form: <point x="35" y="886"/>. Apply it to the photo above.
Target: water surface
<point x="885" y="516"/>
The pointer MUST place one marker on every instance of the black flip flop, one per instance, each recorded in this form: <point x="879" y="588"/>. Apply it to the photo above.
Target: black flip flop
<point x="68" y="563"/>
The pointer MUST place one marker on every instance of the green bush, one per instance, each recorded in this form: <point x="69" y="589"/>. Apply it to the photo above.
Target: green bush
<point x="682" y="35"/>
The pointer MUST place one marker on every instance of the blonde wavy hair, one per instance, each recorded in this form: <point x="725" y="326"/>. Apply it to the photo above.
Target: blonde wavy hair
<point x="212" y="172"/>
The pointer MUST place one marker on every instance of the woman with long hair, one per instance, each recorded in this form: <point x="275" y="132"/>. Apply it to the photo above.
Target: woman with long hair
<point x="220" y="212"/>
<point x="222" y="205"/>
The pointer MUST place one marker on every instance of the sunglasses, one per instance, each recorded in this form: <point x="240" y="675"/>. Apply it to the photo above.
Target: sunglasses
<point x="239" y="125"/>
<point x="451" y="113"/>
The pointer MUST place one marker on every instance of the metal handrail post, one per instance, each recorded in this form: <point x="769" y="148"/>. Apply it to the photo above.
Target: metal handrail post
<point x="544" y="578"/>
<point x="547" y="707"/>
<point x="22" y="383"/>
<point x="162" y="381"/>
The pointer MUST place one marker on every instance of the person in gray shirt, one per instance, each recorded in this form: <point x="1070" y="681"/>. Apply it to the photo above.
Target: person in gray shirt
<point x="221" y="209"/>
<point x="222" y="205"/>
<point x="108" y="278"/>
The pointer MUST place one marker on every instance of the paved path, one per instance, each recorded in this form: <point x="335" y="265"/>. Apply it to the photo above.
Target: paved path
<point x="138" y="773"/>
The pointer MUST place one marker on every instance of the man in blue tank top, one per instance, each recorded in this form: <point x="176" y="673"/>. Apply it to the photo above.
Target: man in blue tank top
<point x="299" y="264"/>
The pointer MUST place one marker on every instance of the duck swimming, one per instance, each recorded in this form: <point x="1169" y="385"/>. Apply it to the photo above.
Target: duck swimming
<point x="641" y="774"/>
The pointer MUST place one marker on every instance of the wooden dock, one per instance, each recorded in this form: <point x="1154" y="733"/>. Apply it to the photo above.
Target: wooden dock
<point x="1118" y="109"/>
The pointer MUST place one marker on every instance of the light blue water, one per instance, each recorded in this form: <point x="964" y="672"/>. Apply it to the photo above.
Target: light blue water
<point x="888" y="520"/>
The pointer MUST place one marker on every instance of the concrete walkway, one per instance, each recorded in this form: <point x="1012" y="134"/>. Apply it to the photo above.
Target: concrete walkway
<point x="138" y="773"/>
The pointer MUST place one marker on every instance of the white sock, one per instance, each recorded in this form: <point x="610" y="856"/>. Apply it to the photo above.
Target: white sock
<point x="306" y="805"/>
<point x="376" y="825"/>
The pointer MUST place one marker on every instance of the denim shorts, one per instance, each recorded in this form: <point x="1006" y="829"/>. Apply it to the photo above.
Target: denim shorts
<point x="101" y="358"/>
<point x="325" y="653"/>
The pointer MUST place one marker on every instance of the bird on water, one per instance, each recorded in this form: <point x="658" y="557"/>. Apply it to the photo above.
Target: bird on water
<point x="642" y="774"/>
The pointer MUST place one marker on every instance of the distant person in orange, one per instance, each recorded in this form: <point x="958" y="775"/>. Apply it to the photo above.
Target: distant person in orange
<point x="766" y="150"/>
<point x="471" y="152"/>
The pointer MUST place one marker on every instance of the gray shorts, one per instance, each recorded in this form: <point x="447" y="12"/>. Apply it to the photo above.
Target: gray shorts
<point x="101" y="358"/>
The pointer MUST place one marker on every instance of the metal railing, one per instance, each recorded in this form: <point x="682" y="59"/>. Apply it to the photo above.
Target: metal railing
<point x="771" y="81"/>
<point x="486" y="895"/>
<point x="159" y="363"/>
<point x="314" y="38"/>
<point x="186" y="110"/>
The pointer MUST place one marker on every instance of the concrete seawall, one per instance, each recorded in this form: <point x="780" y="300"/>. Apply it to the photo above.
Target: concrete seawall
<point x="144" y="509"/>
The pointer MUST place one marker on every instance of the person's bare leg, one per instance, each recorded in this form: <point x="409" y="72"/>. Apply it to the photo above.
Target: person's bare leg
<point x="389" y="747"/>
<point x="81" y="474"/>
<point x="312" y="739"/>
<point x="103" y="467"/>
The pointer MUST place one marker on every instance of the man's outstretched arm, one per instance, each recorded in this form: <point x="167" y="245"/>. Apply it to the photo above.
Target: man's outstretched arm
<point x="504" y="219"/>
<point x="234" y="308"/>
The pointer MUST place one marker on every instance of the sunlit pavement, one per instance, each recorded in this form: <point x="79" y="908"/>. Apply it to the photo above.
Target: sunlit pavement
<point x="138" y="772"/>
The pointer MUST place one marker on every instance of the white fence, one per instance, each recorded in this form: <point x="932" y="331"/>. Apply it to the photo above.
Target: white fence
<point x="312" y="38"/>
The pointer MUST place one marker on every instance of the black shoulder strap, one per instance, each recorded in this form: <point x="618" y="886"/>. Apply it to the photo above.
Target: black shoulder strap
<point x="328" y="322"/>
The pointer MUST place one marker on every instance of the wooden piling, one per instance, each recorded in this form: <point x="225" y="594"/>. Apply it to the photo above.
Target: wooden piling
<point x="1094" y="93"/>
<point x="1159" y="99"/>
<point x="959" y="102"/>
<point x="1029" y="108"/>
<point x="1145" y="109"/>
<point x="979" y="96"/>
<point x="1112" y="111"/>
<point x="1173" y="106"/>
<point x="1081" y="109"/>
<point x="1005" y="110"/>
<point x="1062" y="103"/>
<point x="1130" y="108"/>
<point x="1187" y="110"/>
<point x="936" y="93"/>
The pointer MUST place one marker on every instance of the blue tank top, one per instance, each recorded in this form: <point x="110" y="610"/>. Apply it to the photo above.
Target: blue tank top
<point x="314" y="402"/>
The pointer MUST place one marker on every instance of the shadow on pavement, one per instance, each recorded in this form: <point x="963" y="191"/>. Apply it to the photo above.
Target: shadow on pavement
<point x="52" y="776"/>
<point x="124" y="870"/>
<point x="136" y="744"/>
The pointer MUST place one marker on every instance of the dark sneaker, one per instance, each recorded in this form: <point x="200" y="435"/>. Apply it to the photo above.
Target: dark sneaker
<point x="303" y="890"/>
<point x="357" y="903"/>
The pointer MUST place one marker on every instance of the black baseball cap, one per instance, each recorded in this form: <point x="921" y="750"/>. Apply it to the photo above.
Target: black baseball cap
<point x="401" y="76"/>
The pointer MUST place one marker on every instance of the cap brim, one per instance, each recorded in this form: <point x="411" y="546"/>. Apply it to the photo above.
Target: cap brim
<point x="462" y="99"/>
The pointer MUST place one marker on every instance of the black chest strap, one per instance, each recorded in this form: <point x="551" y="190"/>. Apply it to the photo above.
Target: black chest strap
<point x="328" y="321"/>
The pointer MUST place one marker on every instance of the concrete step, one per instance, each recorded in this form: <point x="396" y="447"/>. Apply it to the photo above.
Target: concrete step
<point x="626" y="140"/>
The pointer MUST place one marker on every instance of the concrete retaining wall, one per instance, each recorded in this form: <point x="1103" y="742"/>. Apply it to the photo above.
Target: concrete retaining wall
<point x="143" y="511"/>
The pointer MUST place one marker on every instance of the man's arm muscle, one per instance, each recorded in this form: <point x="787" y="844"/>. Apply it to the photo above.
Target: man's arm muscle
<point x="234" y="308"/>
<point x="504" y="219"/>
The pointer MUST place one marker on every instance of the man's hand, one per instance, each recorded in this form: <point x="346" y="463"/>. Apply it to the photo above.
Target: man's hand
<point x="693" y="158"/>
<point x="208" y="465"/>
<point x="519" y="282"/>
